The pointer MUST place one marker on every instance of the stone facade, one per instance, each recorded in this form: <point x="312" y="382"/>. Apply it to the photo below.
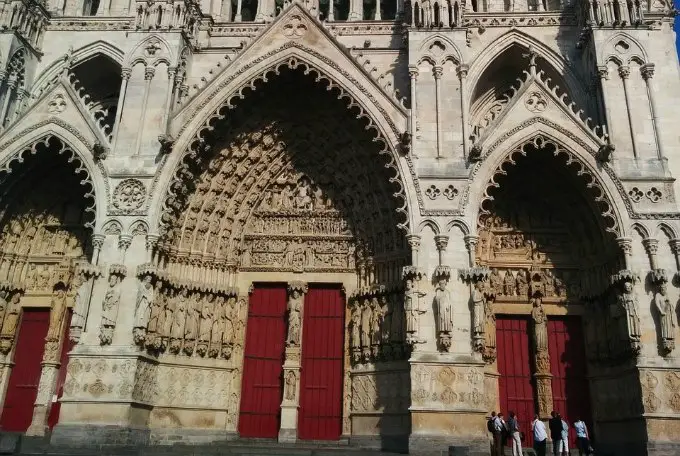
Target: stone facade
<point x="445" y="162"/>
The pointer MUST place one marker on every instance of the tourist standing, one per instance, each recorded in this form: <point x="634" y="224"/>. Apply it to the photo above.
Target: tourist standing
<point x="513" y="428"/>
<point x="491" y="426"/>
<point x="555" y="425"/>
<point x="582" y="437"/>
<point x="540" y="436"/>
<point x="498" y="432"/>
<point x="564" y="441"/>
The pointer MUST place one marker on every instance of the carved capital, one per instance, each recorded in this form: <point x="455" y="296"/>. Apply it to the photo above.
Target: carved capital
<point x="474" y="275"/>
<point x="413" y="72"/>
<point x="438" y="72"/>
<point x="624" y="72"/>
<point x="98" y="241"/>
<point x="625" y="275"/>
<point x="626" y="245"/>
<point x="124" y="241"/>
<point x="675" y="246"/>
<point x="126" y="73"/>
<point x="471" y="242"/>
<point x="119" y="270"/>
<point x="462" y="70"/>
<point x="149" y="73"/>
<point x="151" y="241"/>
<point x="651" y="246"/>
<point x="412" y="273"/>
<point x="414" y="241"/>
<point x="603" y="72"/>
<point x="647" y="71"/>
<point x="441" y="241"/>
<point x="658" y="276"/>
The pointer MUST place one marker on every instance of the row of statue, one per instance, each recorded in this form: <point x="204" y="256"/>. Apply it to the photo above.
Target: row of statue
<point x="377" y="325"/>
<point x="183" y="320"/>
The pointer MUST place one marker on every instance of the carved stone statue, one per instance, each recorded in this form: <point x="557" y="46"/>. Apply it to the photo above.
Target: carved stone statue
<point x="57" y="313"/>
<point x="540" y="326"/>
<point x="522" y="283"/>
<point x="3" y="305"/>
<point x="629" y="303"/>
<point x="191" y="323"/>
<point x="666" y="318"/>
<point x="145" y="298"/>
<point x="179" y="311"/>
<point x="10" y="323"/>
<point x="386" y="326"/>
<point x="217" y="329"/>
<point x="294" y="318"/>
<point x="397" y="329"/>
<point x="205" y="323"/>
<point x="412" y="297"/>
<point x="508" y="284"/>
<point x="80" y="307"/>
<point x="366" y="315"/>
<point x="489" y="331"/>
<point x="355" y="332"/>
<point x="478" y="315"/>
<point x="229" y="335"/>
<point x="291" y="385"/>
<point x="168" y="316"/>
<point x="110" y="310"/>
<point x="154" y="328"/>
<point x="444" y="308"/>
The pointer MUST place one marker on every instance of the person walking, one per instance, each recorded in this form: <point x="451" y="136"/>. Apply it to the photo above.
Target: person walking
<point x="582" y="438"/>
<point x="513" y="429"/>
<point x="540" y="436"/>
<point x="490" y="426"/>
<point x="555" y="426"/>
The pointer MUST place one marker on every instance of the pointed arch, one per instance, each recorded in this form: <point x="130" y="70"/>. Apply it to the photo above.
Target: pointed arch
<point x="630" y="48"/>
<point x="78" y="56"/>
<point x="518" y="38"/>
<point x="385" y="119"/>
<point x="76" y="150"/>
<point x="599" y="178"/>
<point x="640" y="229"/>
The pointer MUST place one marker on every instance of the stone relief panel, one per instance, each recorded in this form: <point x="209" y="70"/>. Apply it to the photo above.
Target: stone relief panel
<point x="195" y="386"/>
<point x="98" y="378"/>
<point x="447" y="387"/>
<point x="651" y="196"/>
<point x="379" y="392"/>
<point x="660" y="391"/>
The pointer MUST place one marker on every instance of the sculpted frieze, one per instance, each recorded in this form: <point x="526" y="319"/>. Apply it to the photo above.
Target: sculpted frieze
<point x="380" y="392"/>
<point x="447" y="387"/>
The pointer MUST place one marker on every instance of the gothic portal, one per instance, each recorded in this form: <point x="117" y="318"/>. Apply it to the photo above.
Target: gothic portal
<point x="362" y="222"/>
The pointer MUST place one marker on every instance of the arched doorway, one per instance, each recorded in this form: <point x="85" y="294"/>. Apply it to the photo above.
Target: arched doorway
<point x="288" y="197"/>
<point x="550" y="255"/>
<point x="44" y="220"/>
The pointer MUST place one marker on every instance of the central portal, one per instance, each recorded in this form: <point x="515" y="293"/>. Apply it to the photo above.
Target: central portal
<point x="273" y="361"/>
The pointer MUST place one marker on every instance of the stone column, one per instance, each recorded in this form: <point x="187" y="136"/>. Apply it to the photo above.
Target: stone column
<point x="651" y="247"/>
<point x="626" y="245"/>
<point x="541" y="359"/>
<point x="675" y="248"/>
<point x="462" y="75"/>
<point x="125" y="73"/>
<point x="603" y="73"/>
<point x="52" y="355"/>
<point x="441" y="241"/>
<point x="647" y="71"/>
<point x="414" y="241"/>
<point x="149" y="73"/>
<point x="471" y="246"/>
<point x="624" y="73"/>
<point x="413" y="112"/>
<point x="291" y="364"/>
<point x="438" y="72"/>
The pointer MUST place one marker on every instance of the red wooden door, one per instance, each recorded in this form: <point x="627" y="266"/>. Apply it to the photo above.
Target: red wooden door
<point x="515" y="385"/>
<point x="261" y="393"/>
<point x="22" y="388"/>
<point x="66" y="347"/>
<point x="320" y="412"/>
<point x="571" y="397"/>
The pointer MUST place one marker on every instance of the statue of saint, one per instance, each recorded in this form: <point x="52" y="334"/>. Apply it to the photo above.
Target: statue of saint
<point x="80" y="304"/>
<point x="412" y="298"/>
<point x="57" y="312"/>
<point x="179" y="310"/>
<point x="3" y="305"/>
<point x="145" y="298"/>
<point x="478" y="317"/>
<point x="489" y="330"/>
<point x="666" y="318"/>
<point x="206" y="316"/>
<point x="397" y="327"/>
<point x="630" y="305"/>
<point x="442" y="303"/>
<point x="366" y="315"/>
<point x="386" y="318"/>
<point x="355" y="326"/>
<point x="217" y="329"/>
<point x="229" y="335"/>
<point x="522" y="283"/>
<point x="294" y="318"/>
<point x="540" y="326"/>
<point x="110" y="310"/>
<point x="11" y="321"/>
<point x="376" y="321"/>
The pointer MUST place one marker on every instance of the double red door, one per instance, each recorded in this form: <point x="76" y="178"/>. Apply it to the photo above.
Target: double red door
<point x="320" y="412"/>
<point x="567" y="365"/>
<point x="22" y="388"/>
<point x="321" y="372"/>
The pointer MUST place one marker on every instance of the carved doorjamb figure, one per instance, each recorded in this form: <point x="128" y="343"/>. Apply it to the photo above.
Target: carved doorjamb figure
<point x="11" y="320"/>
<point x="111" y="303"/>
<point x="413" y="308"/>
<point x="480" y="293"/>
<point x="81" y="289"/>
<point x="628" y="311"/>
<point x="143" y="306"/>
<point x="296" y="291"/>
<point x="663" y="305"/>
<point x="444" y="307"/>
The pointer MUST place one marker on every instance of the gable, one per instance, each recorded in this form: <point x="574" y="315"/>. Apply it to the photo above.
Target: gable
<point x="61" y="105"/>
<point x="295" y="38"/>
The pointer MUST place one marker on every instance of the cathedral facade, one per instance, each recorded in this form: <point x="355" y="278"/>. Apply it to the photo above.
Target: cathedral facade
<point x="362" y="221"/>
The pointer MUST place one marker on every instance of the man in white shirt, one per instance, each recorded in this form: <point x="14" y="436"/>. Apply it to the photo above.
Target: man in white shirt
<point x="540" y="436"/>
<point x="498" y="428"/>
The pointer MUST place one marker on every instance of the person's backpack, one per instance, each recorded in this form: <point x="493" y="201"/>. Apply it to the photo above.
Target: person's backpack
<point x="489" y="425"/>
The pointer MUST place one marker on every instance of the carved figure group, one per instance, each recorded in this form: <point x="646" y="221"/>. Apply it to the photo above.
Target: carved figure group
<point x="376" y="326"/>
<point x="519" y="284"/>
<point x="184" y="321"/>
